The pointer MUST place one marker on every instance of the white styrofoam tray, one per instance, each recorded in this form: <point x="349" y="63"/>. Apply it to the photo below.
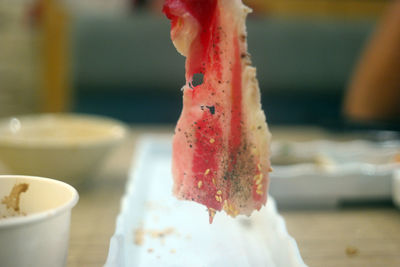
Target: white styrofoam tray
<point x="169" y="232"/>
<point x="325" y="173"/>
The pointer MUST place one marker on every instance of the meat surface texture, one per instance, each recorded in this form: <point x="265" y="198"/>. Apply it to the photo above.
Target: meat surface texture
<point x="221" y="141"/>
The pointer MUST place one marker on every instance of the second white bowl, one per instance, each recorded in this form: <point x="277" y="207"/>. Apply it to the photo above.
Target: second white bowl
<point x="66" y="146"/>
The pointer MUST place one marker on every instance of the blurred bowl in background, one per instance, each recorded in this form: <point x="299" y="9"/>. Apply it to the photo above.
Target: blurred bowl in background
<point x="34" y="221"/>
<point x="68" y="147"/>
<point x="396" y="187"/>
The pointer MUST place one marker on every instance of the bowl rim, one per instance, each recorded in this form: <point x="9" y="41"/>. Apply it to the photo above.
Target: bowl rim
<point x="121" y="132"/>
<point x="43" y="215"/>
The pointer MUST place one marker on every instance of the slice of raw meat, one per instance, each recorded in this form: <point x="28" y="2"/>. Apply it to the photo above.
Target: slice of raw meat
<point x="221" y="142"/>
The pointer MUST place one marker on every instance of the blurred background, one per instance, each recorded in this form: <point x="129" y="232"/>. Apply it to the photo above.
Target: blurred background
<point x="116" y="58"/>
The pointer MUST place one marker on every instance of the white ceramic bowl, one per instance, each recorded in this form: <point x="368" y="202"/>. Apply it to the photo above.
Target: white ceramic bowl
<point x="40" y="236"/>
<point x="396" y="187"/>
<point x="65" y="146"/>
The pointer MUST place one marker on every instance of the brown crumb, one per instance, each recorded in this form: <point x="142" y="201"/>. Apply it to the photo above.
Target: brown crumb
<point x="351" y="251"/>
<point x="140" y="233"/>
<point x="139" y="236"/>
<point x="150" y="250"/>
<point x="172" y="251"/>
<point x="161" y="233"/>
<point x="12" y="200"/>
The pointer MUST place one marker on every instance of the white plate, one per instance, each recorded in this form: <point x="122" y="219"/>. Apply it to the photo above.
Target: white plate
<point x="149" y="210"/>
<point x="326" y="173"/>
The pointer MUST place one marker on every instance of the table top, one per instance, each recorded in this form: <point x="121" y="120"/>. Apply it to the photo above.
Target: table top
<point x="353" y="236"/>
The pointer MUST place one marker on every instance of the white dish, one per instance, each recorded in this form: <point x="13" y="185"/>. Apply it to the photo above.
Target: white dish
<point x="149" y="211"/>
<point x="65" y="146"/>
<point x="38" y="234"/>
<point x="396" y="188"/>
<point x="326" y="173"/>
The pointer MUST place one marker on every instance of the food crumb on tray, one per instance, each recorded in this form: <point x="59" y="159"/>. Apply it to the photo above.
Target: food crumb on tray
<point x="139" y="234"/>
<point x="161" y="233"/>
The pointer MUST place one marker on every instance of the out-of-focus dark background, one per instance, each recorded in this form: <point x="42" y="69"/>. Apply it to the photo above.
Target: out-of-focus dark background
<point x="116" y="58"/>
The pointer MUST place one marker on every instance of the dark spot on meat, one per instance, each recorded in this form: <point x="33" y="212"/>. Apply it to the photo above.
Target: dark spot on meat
<point x="202" y="107"/>
<point x="197" y="79"/>
<point x="179" y="129"/>
<point x="243" y="37"/>
<point x="212" y="109"/>
<point x="259" y="127"/>
<point x="243" y="55"/>
<point x="190" y="146"/>
<point x="219" y="82"/>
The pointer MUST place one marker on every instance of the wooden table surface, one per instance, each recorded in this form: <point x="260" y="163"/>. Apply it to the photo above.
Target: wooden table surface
<point x="358" y="236"/>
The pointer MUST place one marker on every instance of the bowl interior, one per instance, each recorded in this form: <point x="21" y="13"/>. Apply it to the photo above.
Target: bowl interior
<point x="59" y="129"/>
<point x="42" y="195"/>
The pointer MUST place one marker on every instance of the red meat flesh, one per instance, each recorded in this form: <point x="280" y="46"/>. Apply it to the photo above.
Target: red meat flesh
<point x="221" y="142"/>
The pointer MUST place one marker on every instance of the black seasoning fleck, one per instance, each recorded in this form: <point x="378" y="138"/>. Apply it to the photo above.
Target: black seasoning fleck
<point x="259" y="127"/>
<point x="212" y="109"/>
